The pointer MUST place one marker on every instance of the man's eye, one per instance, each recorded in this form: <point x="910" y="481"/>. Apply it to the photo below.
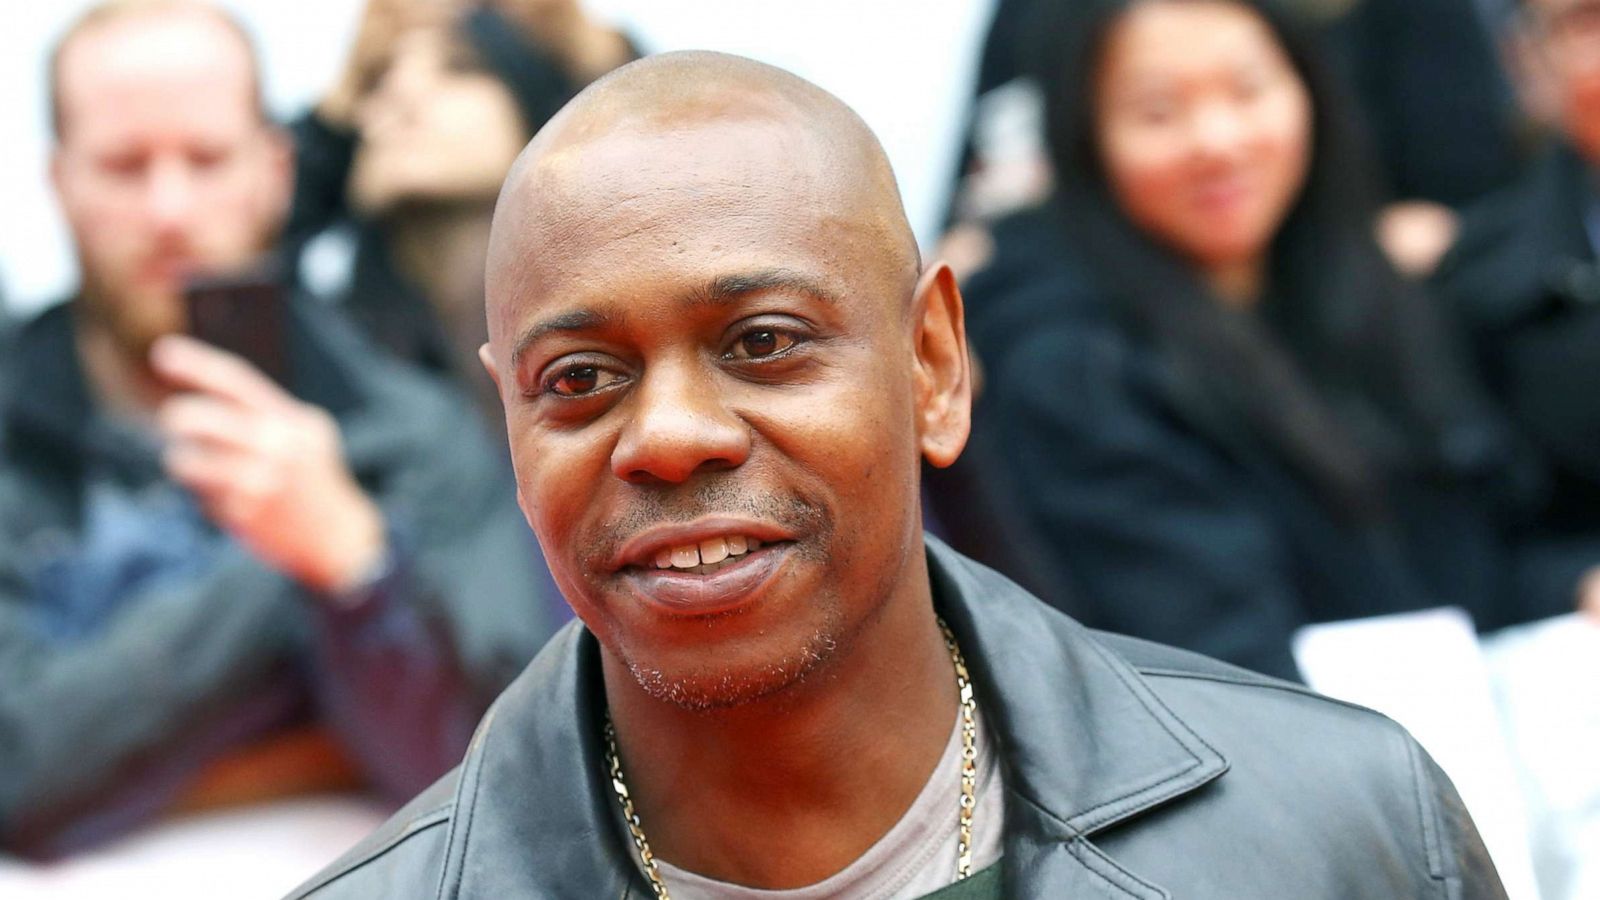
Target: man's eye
<point x="123" y="166"/>
<point x="576" y="381"/>
<point x="761" y="342"/>
<point x="208" y="158"/>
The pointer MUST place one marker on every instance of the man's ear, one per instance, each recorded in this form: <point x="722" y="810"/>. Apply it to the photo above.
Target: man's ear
<point x="944" y="373"/>
<point x="486" y="356"/>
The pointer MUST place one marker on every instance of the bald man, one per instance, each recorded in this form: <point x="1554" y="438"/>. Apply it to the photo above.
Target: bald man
<point x="216" y="588"/>
<point x="722" y="364"/>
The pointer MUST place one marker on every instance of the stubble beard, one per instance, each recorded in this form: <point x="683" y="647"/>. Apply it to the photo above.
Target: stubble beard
<point x="133" y="321"/>
<point x="727" y="688"/>
<point x="713" y="687"/>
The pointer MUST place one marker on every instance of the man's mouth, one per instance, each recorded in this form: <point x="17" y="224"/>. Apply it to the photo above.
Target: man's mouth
<point x="169" y="268"/>
<point x="707" y="556"/>
<point x="710" y="565"/>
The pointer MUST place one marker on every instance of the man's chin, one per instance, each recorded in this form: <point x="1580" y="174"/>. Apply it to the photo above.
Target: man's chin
<point x="709" y="690"/>
<point x="137" y="321"/>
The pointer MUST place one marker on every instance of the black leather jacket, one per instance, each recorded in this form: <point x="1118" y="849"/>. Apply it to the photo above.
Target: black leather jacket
<point x="1132" y="771"/>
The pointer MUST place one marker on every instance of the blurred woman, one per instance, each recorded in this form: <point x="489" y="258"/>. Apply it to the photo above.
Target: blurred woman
<point x="409" y="147"/>
<point x="1223" y="414"/>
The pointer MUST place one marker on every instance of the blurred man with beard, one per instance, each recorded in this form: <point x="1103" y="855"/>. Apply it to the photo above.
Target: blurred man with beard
<point x="203" y="572"/>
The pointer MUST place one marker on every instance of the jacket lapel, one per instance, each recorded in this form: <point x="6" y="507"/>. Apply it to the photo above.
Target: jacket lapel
<point x="1086" y="742"/>
<point x="534" y="811"/>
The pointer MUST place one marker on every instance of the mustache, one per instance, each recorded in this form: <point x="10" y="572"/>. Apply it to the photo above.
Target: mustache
<point x="169" y="246"/>
<point x="648" y="509"/>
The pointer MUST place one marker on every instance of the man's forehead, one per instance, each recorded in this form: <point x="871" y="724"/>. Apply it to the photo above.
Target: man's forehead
<point x="630" y="268"/>
<point x="684" y="168"/>
<point x="689" y="204"/>
<point x="751" y="162"/>
<point x="140" y="61"/>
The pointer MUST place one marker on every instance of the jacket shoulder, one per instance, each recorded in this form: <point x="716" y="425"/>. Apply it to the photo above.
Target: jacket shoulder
<point x="403" y="858"/>
<point x="1159" y="663"/>
<point x="1151" y="658"/>
<point x="1378" y="792"/>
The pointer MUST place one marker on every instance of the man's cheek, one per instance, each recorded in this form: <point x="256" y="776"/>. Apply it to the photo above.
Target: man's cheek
<point x="554" y="499"/>
<point x="533" y="496"/>
<point x="556" y="535"/>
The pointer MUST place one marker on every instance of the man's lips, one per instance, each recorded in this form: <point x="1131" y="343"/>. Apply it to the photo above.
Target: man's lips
<point x="728" y="585"/>
<point x="649" y="547"/>
<point x="706" y="566"/>
<point x="168" y="269"/>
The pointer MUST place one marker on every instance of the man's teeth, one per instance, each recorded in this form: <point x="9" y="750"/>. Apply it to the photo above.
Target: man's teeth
<point x="708" y="552"/>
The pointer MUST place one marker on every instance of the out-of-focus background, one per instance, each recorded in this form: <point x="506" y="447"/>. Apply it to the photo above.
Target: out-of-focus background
<point x="1286" y="317"/>
<point x="874" y="55"/>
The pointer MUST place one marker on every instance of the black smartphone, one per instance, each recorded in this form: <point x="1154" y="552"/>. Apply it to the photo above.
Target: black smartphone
<point x="243" y="314"/>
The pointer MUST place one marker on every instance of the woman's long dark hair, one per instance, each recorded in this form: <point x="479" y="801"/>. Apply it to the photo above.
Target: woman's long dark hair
<point x="1346" y="372"/>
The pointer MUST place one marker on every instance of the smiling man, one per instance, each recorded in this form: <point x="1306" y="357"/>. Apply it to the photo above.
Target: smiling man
<point x="722" y="362"/>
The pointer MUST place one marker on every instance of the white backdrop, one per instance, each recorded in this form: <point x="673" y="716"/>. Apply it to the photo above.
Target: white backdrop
<point x="906" y="67"/>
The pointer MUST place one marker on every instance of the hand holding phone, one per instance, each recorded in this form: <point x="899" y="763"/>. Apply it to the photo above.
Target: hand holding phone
<point x="267" y="468"/>
<point x="243" y="314"/>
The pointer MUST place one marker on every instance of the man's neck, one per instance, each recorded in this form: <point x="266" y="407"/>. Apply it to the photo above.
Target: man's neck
<point x="786" y="791"/>
<point x="121" y="385"/>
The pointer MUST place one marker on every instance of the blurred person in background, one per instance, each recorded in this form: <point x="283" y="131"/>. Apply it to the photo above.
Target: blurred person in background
<point x="212" y="588"/>
<point x="1434" y="93"/>
<point x="409" y="147"/>
<point x="1524" y="277"/>
<point x="1429" y="82"/>
<point x="1223" y="414"/>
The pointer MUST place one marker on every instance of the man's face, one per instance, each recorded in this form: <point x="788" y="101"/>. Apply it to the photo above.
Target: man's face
<point x="1567" y="33"/>
<point x="703" y="348"/>
<point x="163" y="168"/>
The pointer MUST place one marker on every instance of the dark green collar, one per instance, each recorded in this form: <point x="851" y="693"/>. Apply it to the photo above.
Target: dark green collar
<point x="981" y="885"/>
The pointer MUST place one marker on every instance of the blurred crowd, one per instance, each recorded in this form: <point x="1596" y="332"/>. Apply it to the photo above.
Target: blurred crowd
<point x="1285" y="312"/>
<point x="252" y="542"/>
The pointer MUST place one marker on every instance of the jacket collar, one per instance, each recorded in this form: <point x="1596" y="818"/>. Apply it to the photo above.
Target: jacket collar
<point x="1085" y="741"/>
<point x="1086" y="744"/>
<point x="46" y="398"/>
<point x="532" y="812"/>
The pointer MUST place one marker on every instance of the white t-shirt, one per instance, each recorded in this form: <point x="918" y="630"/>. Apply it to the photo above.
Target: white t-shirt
<point x="915" y="858"/>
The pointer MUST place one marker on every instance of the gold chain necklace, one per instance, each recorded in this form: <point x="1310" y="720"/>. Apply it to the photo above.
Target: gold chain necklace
<point x="969" y="777"/>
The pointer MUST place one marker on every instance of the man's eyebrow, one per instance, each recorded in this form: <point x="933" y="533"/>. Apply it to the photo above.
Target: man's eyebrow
<point x="721" y="290"/>
<point x="728" y="288"/>
<point x="577" y="320"/>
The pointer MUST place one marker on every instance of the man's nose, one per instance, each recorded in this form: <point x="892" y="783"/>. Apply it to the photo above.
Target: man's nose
<point x="680" y="425"/>
<point x="170" y="194"/>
